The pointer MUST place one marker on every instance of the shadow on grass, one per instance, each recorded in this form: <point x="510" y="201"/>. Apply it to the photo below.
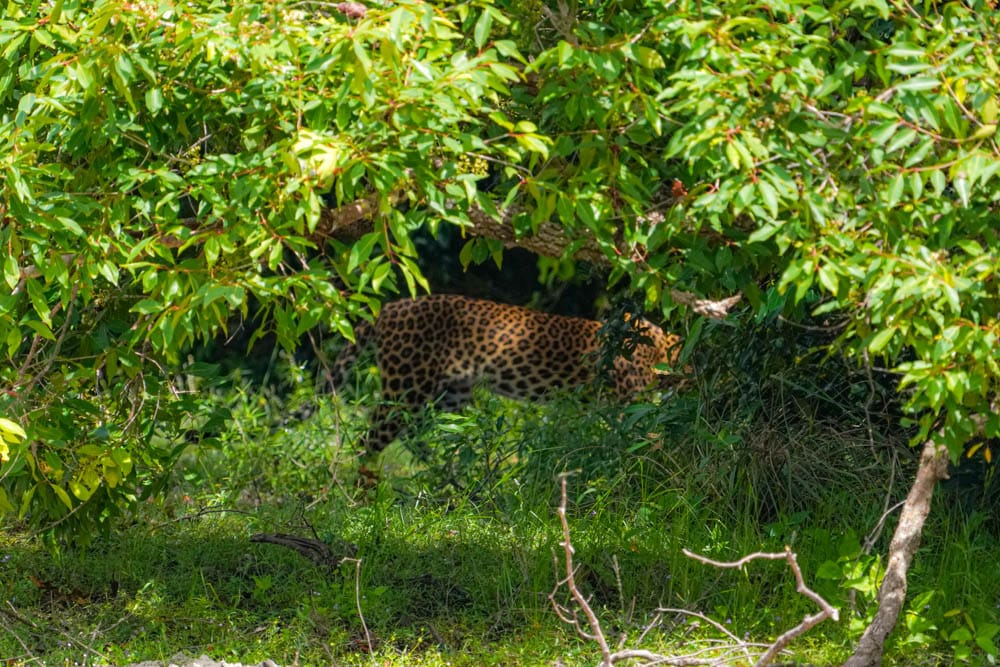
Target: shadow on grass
<point x="202" y="586"/>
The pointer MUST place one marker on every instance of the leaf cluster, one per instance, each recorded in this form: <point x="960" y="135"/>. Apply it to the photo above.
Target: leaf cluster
<point x="167" y="170"/>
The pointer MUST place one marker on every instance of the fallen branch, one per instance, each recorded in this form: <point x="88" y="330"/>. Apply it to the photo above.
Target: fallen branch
<point x="564" y="614"/>
<point x="810" y="621"/>
<point x="316" y="550"/>
<point x="592" y="631"/>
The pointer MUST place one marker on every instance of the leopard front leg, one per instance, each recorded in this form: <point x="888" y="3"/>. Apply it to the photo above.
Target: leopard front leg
<point x="387" y="423"/>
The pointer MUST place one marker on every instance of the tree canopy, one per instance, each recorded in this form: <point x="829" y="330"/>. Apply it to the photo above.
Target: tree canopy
<point x="168" y="166"/>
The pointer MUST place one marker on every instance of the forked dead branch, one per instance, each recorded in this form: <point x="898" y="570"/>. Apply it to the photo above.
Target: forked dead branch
<point x="718" y="654"/>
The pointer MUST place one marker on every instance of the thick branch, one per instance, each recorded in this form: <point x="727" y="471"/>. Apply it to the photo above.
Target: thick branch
<point x="352" y="221"/>
<point x="892" y="594"/>
<point x="349" y="223"/>
<point x="317" y="551"/>
<point x="549" y="241"/>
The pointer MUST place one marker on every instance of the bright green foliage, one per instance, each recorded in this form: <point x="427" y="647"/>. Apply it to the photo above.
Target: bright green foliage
<point x="453" y="576"/>
<point x="162" y="173"/>
<point x="847" y="152"/>
<point x="165" y="165"/>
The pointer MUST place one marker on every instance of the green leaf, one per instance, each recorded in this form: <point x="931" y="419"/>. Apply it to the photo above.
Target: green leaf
<point x="916" y="181"/>
<point x="24" y="108"/>
<point x="984" y="132"/>
<point x="919" y="84"/>
<point x="362" y="249"/>
<point x="5" y="505"/>
<point x="738" y="155"/>
<point x="648" y="58"/>
<point x="79" y="490"/>
<point x="56" y="14"/>
<point x="124" y="460"/>
<point x="765" y="232"/>
<point x="829" y="570"/>
<point x="147" y="307"/>
<point x="26" y="501"/>
<point x="896" y="187"/>
<point x="232" y="294"/>
<point x="381" y="273"/>
<point x="154" y="100"/>
<point x="901" y="139"/>
<point x="770" y="197"/>
<point x="37" y="295"/>
<point x="11" y="431"/>
<point x="123" y="65"/>
<point x="564" y="52"/>
<point x="481" y="31"/>
<point x="62" y="495"/>
<point x="880" y="340"/>
<point x="109" y="271"/>
<point x="43" y="37"/>
<point x="533" y="143"/>
<point x="828" y="279"/>
<point x="884" y="131"/>
<point x="11" y="272"/>
<point x="971" y="248"/>
<point x="830" y="84"/>
<point x="963" y="188"/>
<point x="961" y="634"/>
<point x="72" y="225"/>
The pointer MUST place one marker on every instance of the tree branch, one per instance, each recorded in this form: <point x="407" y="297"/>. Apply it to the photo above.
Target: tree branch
<point x="596" y="634"/>
<point x="905" y="541"/>
<point x="826" y="609"/>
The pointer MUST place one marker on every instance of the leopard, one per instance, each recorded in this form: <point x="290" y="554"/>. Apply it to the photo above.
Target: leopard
<point x="435" y="349"/>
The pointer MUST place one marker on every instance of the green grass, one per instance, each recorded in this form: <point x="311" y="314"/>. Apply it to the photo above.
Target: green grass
<point x="457" y="550"/>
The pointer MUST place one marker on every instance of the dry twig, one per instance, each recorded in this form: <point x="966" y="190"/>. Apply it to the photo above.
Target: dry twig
<point x="716" y="310"/>
<point x="566" y="615"/>
<point x="826" y="609"/>
<point x="591" y="629"/>
<point x="596" y="633"/>
<point x="357" y="602"/>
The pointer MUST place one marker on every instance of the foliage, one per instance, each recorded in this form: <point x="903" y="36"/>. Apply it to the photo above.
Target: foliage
<point x="453" y="576"/>
<point x="847" y="153"/>
<point x="165" y="166"/>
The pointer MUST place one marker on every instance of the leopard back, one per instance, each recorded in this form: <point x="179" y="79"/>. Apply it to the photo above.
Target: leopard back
<point x="439" y="347"/>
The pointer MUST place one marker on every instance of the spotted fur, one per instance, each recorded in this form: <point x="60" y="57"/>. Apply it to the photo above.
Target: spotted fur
<point x="438" y="348"/>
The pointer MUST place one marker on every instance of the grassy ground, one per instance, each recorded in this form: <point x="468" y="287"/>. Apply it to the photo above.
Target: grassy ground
<point x="451" y="560"/>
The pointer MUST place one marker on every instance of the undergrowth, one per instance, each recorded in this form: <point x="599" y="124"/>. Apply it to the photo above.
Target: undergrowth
<point x="457" y="541"/>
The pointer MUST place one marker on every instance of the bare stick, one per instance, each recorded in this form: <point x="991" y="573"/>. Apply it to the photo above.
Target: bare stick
<point x="826" y="609"/>
<point x="596" y="633"/>
<point x="718" y="626"/>
<point x="357" y="602"/>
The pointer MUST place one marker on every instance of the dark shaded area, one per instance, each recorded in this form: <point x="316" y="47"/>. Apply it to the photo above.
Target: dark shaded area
<point x="516" y="281"/>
